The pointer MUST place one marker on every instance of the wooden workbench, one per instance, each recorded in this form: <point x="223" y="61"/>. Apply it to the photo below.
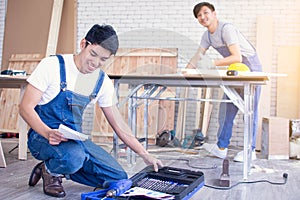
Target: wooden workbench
<point x="17" y="82"/>
<point x="206" y="79"/>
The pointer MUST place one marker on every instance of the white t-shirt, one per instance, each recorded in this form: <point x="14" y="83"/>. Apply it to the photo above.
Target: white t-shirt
<point x="46" y="78"/>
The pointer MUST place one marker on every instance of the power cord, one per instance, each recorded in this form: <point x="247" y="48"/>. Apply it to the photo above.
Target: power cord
<point x="285" y="176"/>
<point x="213" y="166"/>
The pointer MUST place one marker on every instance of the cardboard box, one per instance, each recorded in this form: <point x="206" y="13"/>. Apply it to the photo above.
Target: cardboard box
<point x="275" y="137"/>
<point x="295" y="128"/>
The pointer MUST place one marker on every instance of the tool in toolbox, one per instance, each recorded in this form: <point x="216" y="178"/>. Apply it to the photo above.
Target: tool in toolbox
<point x="118" y="188"/>
<point x="115" y="189"/>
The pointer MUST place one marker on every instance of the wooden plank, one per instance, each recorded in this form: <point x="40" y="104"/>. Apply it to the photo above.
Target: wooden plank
<point x="168" y="65"/>
<point x="2" y="158"/>
<point x="9" y="111"/>
<point x="145" y="52"/>
<point x="181" y="115"/>
<point x="172" y="149"/>
<point x="153" y="115"/>
<point x="27" y="62"/>
<point x="288" y="89"/>
<point x="54" y="27"/>
<point x="23" y="129"/>
<point x="207" y="109"/>
<point x="148" y="65"/>
<point x="165" y="120"/>
<point x="24" y="59"/>
<point x="264" y="46"/>
<point x="198" y="108"/>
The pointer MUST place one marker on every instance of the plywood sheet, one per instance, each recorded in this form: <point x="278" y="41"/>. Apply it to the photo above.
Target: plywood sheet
<point x="288" y="88"/>
<point x="264" y="47"/>
<point x="27" y="25"/>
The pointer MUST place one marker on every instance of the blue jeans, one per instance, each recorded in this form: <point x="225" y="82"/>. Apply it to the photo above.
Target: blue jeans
<point x="227" y="114"/>
<point x="77" y="160"/>
<point x="228" y="111"/>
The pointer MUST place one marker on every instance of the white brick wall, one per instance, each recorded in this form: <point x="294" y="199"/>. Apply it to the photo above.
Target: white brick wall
<point x="156" y="23"/>
<point x="2" y="22"/>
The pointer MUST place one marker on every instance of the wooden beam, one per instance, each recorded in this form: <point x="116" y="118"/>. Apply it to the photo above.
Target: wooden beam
<point x="288" y="88"/>
<point x="181" y="115"/>
<point x="198" y="109"/>
<point x="264" y="46"/>
<point x="2" y="158"/>
<point x="54" y="27"/>
<point x="207" y="109"/>
<point x="145" y="52"/>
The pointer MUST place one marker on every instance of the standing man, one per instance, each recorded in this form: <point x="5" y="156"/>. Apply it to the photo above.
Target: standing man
<point x="234" y="48"/>
<point x="59" y="90"/>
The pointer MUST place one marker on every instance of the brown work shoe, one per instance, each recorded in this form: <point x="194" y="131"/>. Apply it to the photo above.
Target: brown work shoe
<point x="51" y="184"/>
<point x="36" y="175"/>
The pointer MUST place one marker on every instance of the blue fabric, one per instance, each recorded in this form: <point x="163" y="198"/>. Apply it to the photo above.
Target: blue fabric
<point x="84" y="162"/>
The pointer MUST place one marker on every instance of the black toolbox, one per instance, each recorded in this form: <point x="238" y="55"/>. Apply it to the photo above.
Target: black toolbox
<point x="181" y="183"/>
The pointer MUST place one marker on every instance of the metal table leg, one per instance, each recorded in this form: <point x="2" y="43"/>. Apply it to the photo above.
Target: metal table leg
<point x="248" y="128"/>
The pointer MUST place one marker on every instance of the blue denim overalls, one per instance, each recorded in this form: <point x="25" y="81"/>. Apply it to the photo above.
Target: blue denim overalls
<point x="83" y="162"/>
<point x="228" y="111"/>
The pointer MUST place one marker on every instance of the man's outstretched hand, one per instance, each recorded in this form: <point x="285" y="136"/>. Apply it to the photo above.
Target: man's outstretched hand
<point x="205" y="62"/>
<point x="150" y="160"/>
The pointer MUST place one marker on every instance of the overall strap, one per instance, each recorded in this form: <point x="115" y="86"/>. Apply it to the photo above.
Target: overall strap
<point x="209" y="39"/>
<point x="222" y="33"/>
<point x="98" y="85"/>
<point x="63" y="82"/>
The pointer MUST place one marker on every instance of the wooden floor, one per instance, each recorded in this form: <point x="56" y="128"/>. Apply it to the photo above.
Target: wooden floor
<point x="14" y="178"/>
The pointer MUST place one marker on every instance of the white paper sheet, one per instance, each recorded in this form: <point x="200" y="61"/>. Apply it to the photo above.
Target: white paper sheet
<point x="71" y="134"/>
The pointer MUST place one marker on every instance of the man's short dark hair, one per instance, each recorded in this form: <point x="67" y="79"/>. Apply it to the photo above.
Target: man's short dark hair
<point x="198" y="7"/>
<point x="105" y="36"/>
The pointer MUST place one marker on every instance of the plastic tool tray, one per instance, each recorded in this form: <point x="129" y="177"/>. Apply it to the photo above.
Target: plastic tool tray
<point x="181" y="183"/>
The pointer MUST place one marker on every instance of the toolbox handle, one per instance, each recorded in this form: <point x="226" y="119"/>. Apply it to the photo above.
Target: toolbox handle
<point x="173" y="171"/>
